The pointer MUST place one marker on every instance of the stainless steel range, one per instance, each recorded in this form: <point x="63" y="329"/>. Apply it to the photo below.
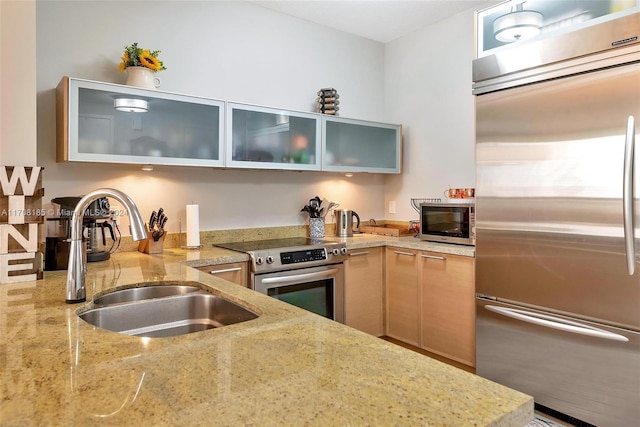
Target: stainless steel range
<point x="307" y="273"/>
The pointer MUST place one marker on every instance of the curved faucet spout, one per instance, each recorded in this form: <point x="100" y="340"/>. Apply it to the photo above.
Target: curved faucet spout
<point x="76" y="291"/>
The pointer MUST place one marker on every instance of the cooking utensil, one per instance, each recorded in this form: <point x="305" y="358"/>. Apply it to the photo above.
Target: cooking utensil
<point x="330" y="207"/>
<point x="152" y="219"/>
<point x="313" y="208"/>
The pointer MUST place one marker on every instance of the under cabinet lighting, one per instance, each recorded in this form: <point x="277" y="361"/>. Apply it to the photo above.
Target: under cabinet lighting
<point x="131" y="105"/>
<point x="348" y="174"/>
<point x="517" y="25"/>
<point x="147" y="168"/>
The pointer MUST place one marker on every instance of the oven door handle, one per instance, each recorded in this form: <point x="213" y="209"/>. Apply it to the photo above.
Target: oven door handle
<point x="299" y="277"/>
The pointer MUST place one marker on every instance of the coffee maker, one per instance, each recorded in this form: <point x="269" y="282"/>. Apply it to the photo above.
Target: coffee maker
<point x="98" y="232"/>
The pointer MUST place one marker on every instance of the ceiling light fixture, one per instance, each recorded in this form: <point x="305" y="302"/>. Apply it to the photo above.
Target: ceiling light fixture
<point x="131" y="105"/>
<point x="517" y="25"/>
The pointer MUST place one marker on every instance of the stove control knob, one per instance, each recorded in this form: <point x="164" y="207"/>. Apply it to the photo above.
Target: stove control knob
<point x="269" y="259"/>
<point x="259" y="260"/>
<point x="335" y="251"/>
<point x="343" y="251"/>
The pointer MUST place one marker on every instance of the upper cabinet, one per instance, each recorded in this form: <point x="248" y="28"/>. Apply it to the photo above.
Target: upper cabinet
<point x="270" y="138"/>
<point x="513" y="22"/>
<point x="104" y="122"/>
<point x="360" y="146"/>
<point x="111" y="123"/>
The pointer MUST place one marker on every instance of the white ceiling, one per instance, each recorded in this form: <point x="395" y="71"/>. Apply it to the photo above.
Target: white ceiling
<point x="379" y="20"/>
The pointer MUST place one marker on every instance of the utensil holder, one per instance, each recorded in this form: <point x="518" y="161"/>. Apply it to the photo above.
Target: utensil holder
<point x="316" y="228"/>
<point x="150" y="246"/>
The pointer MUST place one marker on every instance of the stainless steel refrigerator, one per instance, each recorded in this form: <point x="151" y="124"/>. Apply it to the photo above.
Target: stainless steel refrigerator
<point x="558" y="218"/>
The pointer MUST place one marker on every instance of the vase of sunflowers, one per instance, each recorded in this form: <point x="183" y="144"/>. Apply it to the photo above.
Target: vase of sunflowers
<point x="141" y="66"/>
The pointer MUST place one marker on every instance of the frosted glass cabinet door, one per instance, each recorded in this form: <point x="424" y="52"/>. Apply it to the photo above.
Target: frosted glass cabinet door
<point x="512" y="23"/>
<point x="360" y="146"/>
<point x="270" y="138"/>
<point x="174" y="130"/>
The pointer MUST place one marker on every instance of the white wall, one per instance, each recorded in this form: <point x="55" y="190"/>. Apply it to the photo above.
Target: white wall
<point x="225" y="50"/>
<point x="241" y="52"/>
<point x="428" y="89"/>
<point x="17" y="83"/>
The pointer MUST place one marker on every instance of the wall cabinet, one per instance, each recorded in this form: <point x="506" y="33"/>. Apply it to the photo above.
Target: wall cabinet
<point x="447" y="322"/>
<point x="269" y="138"/>
<point x="402" y="295"/>
<point x="111" y="123"/>
<point x="237" y="272"/>
<point x="147" y="127"/>
<point x="359" y="146"/>
<point x="497" y="27"/>
<point x="364" y="290"/>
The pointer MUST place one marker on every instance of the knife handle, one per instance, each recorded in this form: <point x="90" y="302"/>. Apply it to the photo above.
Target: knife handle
<point x="152" y="220"/>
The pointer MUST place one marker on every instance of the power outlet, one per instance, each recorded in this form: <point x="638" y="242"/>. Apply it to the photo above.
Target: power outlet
<point x="392" y="206"/>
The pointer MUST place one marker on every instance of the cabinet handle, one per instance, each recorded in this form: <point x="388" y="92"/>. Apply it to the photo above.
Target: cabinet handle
<point x="226" y="270"/>
<point x="404" y="253"/>
<point x="441" y="258"/>
<point x="358" y="253"/>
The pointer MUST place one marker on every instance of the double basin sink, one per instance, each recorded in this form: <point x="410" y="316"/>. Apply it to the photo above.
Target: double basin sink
<point x="163" y="310"/>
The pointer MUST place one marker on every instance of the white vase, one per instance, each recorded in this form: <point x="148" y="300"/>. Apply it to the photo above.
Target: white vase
<point x="142" y="77"/>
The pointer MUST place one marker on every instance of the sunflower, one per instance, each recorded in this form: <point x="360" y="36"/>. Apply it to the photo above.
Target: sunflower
<point x="150" y="61"/>
<point x="135" y="56"/>
<point x="125" y="60"/>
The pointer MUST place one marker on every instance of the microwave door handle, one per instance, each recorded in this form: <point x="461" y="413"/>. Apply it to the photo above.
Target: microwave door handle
<point x="556" y="323"/>
<point x="299" y="277"/>
<point x="627" y="196"/>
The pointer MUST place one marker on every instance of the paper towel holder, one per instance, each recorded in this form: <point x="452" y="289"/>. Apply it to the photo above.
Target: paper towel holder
<point x="185" y="238"/>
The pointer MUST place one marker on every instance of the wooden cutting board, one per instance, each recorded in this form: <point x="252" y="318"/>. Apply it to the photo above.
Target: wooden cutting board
<point x="387" y="230"/>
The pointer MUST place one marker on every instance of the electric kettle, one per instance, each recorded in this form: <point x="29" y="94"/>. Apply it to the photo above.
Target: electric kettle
<point x="344" y="222"/>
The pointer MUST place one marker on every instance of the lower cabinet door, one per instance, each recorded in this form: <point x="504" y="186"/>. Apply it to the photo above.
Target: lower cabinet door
<point x="402" y="295"/>
<point x="448" y="306"/>
<point x="364" y="290"/>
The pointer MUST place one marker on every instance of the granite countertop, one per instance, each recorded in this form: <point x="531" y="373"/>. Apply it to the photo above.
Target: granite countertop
<point x="370" y="240"/>
<point x="287" y="367"/>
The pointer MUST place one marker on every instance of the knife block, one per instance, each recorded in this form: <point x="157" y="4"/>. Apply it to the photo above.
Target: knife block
<point x="150" y="246"/>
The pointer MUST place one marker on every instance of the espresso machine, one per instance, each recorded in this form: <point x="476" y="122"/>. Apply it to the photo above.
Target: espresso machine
<point x="98" y="232"/>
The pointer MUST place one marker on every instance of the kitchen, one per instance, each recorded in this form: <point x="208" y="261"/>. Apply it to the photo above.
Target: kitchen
<point x="222" y="211"/>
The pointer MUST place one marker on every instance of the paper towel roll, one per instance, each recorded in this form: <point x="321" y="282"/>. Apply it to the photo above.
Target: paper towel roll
<point x="193" y="226"/>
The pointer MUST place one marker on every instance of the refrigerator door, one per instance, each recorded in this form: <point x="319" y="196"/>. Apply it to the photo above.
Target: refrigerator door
<point x="549" y="194"/>
<point x="583" y="369"/>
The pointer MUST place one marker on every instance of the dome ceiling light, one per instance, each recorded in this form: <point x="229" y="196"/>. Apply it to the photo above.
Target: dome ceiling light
<point x="517" y="25"/>
<point x="131" y="105"/>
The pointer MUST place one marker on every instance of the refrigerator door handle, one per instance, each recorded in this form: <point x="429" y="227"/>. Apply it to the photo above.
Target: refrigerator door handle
<point x="627" y="196"/>
<point x="556" y="323"/>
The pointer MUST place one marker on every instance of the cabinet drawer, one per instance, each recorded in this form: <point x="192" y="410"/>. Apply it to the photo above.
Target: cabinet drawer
<point x="234" y="272"/>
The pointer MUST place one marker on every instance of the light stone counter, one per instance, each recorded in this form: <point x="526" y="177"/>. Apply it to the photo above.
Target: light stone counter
<point x="371" y="240"/>
<point x="286" y="368"/>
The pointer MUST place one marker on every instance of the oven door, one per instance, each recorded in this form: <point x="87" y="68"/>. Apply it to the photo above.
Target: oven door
<point x="317" y="289"/>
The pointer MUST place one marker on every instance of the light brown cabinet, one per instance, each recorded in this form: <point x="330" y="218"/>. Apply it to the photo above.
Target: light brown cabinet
<point x="237" y="272"/>
<point x="402" y="295"/>
<point x="447" y="324"/>
<point x="364" y="290"/>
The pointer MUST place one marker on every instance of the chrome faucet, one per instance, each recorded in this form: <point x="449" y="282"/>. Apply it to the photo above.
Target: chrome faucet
<point x="76" y="291"/>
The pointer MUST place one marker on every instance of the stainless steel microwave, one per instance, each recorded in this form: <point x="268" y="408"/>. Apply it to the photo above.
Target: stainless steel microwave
<point x="448" y="222"/>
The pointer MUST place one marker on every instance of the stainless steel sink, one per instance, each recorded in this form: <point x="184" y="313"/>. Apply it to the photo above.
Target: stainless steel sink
<point x="143" y="293"/>
<point x="167" y="316"/>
